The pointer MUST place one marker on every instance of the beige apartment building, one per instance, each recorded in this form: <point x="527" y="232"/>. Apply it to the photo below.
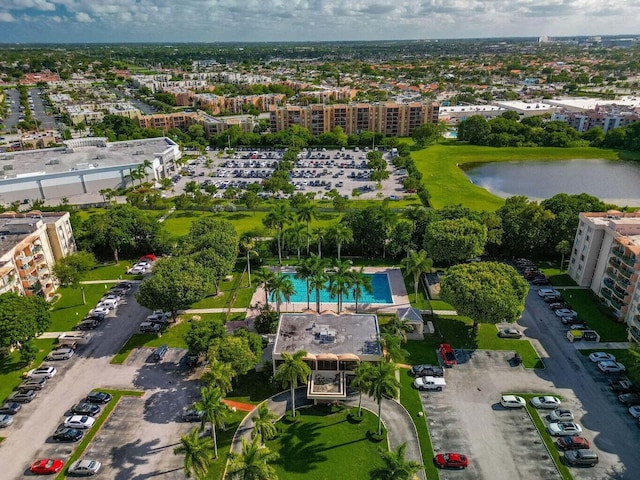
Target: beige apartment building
<point x="606" y="258"/>
<point x="30" y="244"/>
<point x="390" y="119"/>
<point x="183" y="120"/>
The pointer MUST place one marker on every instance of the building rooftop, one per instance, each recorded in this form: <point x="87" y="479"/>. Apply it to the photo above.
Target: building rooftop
<point x="519" y="105"/>
<point x="14" y="227"/>
<point x="328" y="333"/>
<point x="591" y="103"/>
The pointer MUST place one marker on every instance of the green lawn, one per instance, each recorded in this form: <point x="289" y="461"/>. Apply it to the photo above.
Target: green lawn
<point x="585" y="303"/>
<point x="111" y="271"/>
<point x="254" y="387"/>
<point x="226" y="291"/>
<point x="11" y="371"/>
<point x="448" y="184"/>
<point x="216" y="470"/>
<point x="557" y="277"/>
<point x="324" y="444"/>
<point x="172" y="336"/>
<point x="69" y="310"/>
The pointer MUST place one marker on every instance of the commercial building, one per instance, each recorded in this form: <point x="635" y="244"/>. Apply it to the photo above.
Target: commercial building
<point x="334" y="345"/>
<point x="606" y="258"/>
<point x="390" y="119"/>
<point x="453" y="115"/>
<point x="30" y="244"/>
<point x="527" y="109"/>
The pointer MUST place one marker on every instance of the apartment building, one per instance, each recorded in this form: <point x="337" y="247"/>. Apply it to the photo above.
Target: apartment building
<point x="390" y="119"/>
<point x="183" y="120"/>
<point x="603" y="116"/>
<point x="606" y="258"/>
<point x="30" y="244"/>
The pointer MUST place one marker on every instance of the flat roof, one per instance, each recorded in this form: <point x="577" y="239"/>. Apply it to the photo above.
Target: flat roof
<point x="328" y="333"/>
<point x="58" y="160"/>
<point x="525" y="106"/>
<point x="592" y="103"/>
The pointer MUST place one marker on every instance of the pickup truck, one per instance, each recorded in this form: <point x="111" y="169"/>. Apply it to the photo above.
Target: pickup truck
<point x="448" y="357"/>
<point x="158" y="316"/>
<point x="67" y="338"/>
<point x="430" y="383"/>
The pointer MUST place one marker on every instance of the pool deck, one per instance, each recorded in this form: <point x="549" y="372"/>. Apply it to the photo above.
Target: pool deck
<point x="396" y="283"/>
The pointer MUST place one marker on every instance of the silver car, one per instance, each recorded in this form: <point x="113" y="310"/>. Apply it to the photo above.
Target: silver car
<point x="84" y="467"/>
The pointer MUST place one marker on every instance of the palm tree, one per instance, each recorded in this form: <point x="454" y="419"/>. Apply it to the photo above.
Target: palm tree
<point x="146" y="165"/>
<point x="252" y="463"/>
<point x="563" y="247"/>
<point x="277" y="218"/>
<point x="318" y="282"/>
<point x="399" y="328"/>
<point x="281" y="288"/>
<point x="264" y="278"/>
<point x="296" y="234"/>
<point x="305" y="213"/>
<point x="361" y="381"/>
<point x="383" y="383"/>
<point x="395" y="466"/>
<point x="197" y="454"/>
<point x="359" y="282"/>
<point x="392" y="347"/>
<point x="339" y="280"/>
<point x="214" y="412"/>
<point x="290" y="371"/>
<point x="341" y="234"/>
<point x="319" y="234"/>
<point x="416" y="264"/>
<point x="248" y="244"/>
<point x="388" y="218"/>
<point x="219" y="374"/>
<point x="305" y="270"/>
<point x="263" y="423"/>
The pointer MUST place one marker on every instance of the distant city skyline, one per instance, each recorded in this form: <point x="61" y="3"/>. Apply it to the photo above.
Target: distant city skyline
<point x="113" y="21"/>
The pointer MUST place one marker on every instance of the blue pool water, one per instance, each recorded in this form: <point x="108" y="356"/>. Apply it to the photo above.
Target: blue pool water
<point x="381" y="291"/>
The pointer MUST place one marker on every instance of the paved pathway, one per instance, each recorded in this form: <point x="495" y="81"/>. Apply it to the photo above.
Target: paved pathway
<point x="243" y="407"/>
<point x="601" y="346"/>
<point x="398" y="422"/>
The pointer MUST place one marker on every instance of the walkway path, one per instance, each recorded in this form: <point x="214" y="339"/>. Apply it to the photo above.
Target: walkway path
<point x="601" y="346"/>
<point x="398" y="422"/>
<point x="243" y="407"/>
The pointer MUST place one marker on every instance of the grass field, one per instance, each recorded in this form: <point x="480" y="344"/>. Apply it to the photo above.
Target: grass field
<point x="448" y="185"/>
<point x="216" y="470"/>
<point x="69" y="310"/>
<point x="11" y="370"/>
<point x="585" y="303"/>
<point x="323" y="444"/>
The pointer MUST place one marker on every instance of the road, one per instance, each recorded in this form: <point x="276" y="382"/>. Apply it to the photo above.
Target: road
<point x="39" y="111"/>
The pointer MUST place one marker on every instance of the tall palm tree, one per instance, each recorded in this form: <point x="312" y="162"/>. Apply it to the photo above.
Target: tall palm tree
<point x="319" y="234"/>
<point x="395" y="466"/>
<point x="292" y="370"/>
<point x="264" y="278"/>
<point x="388" y="218"/>
<point x="281" y="289"/>
<point x="383" y="383"/>
<point x="248" y="244"/>
<point x="296" y="234"/>
<point x="197" y="454"/>
<point x="305" y="270"/>
<point x="399" y="328"/>
<point x="339" y="280"/>
<point x="318" y="282"/>
<point x="277" y="218"/>
<point x="263" y="423"/>
<point x="416" y="264"/>
<point x="361" y="381"/>
<point x="252" y="463"/>
<point x="392" y="348"/>
<point x="219" y="374"/>
<point x="305" y="213"/>
<point x="341" y="234"/>
<point x="359" y="282"/>
<point x="146" y="165"/>
<point x="214" y="412"/>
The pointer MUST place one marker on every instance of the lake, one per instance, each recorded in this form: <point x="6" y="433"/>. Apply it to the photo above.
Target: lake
<point x="615" y="182"/>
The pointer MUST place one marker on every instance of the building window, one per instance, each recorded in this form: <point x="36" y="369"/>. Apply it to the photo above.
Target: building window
<point x="582" y="257"/>
<point x="580" y="267"/>
<point x="587" y="239"/>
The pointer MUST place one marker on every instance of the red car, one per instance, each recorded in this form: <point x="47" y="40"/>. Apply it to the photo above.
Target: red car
<point x="573" y="443"/>
<point x="451" y="460"/>
<point x="149" y="256"/>
<point x="446" y="352"/>
<point x="47" y="466"/>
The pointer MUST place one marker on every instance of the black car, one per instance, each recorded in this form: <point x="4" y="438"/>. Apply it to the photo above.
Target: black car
<point x="99" y="397"/>
<point x="10" y="408"/>
<point x="85" y="408"/>
<point x="22" y="396"/>
<point x="629" y="399"/>
<point x="552" y="299"/>
<point x="65" y="434"/>
<point x="570" y="320"/>
<point x="191" y="415"/>
<point x="427" y="371"/>
<point x="622" y="385"/>
<point x="87" y="325"/>
<point x="96" y="317"/>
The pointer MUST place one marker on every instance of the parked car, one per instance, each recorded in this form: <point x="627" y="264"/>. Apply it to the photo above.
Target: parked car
<point x="566" y="312"/>
<point x="561" y="415"/>
<point x="545" y="402"/>
<point x="581" y="457"/>
<point x="430" y="383"/>
<point x="540" y="281"/>
<point x="5" y="420"/>
<point x="558" y="305"/>
<point x="572" y="443"/>
<point x="631" y="398"/>
<point x="566" y="320"/>
<point x="79" y="421"/>
<point x="46" y="466"/>
<point x="191" y="415"/>
<point x="611" y="367"/>
<point x="150" y="327"/>
<point x="60" y="354"/>
<point x="447" y="354"/>
<point x="42" y="372"/>
<point x="544" y="292"/>
<point x="33" y="384"/>
<point x="427" y="370"/>
<point x="22" y="396"/>
<point x="451" y="460"/>
<point x="159" y="353"/>
<point x="10" y="408"/>
<point x="635" y="411"/>
<point x="510" y="333"/>
<point x="85" y="408"/>
<point x="66" y="434"/>
<point x="512" y="401"/>
<point x="552" y="298"/>
<point x="99" y="397"/>
<point x="601" y="357"/>
<point x="558" y="429"/>
<point x="84" y="468"/>
<point x="86" y="325"/>
<point x="100" y="310"/>
<point x="622" y="385"/>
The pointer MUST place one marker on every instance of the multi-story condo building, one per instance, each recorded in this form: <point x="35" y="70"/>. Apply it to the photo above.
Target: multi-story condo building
<point x="30" y="244"/>
<point x="391" y="119"/>
<point x="604" y="116"/>
<point x="606" y="258"/>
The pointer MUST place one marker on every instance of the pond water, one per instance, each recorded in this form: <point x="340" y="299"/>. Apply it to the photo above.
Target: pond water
<point x="615" y="182"/>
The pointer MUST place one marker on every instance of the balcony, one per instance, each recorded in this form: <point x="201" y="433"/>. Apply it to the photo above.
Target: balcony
<point x="615" y="304"/>
<point x="29" y="280"/>
<point x="619" y="294"/>
<point x="606" y="293"/>
<point x="634" y="333"/>
<point x="615" y="262"/>
<point x="629" y="260"/>
<point x="608" y="282"/>
<point x="618" y="252"/>
<point x="622" y="281"/>
<point x="36" y="248"/>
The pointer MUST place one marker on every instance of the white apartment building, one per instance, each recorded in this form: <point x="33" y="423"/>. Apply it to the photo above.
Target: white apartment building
<point x="606" y="258"/>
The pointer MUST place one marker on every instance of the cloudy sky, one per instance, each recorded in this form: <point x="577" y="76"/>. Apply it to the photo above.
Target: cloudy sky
<point x="291" y="20"/>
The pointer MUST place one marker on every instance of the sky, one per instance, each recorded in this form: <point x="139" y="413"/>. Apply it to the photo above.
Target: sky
<point x="113" y="21"/>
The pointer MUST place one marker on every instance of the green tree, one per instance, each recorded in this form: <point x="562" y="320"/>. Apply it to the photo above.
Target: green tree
<point x="219" y="375"/>
<point x="526" y="227"/>
<point x="197" y="454"/>
<point x="395" y="466"/>
<point x="281" y="289"/>
<point x="28" y="352"/>
<point x="359" y="282"/>
<point x="563" y="248"/>
<point x="296" y="235"/>
<point x="382" y="383"/>
<point x="319" y="234"/>
<point x="339" y="280"/>
<point x="236" y="351"/>
<point x="253" y="462"/>
<point x="451" y="241"/>
<point x="22" y="319"/>
<point x="201" y="333"/>
<point x="68" y="270"/>
<point x="415" y="265"/>
<point x="305" y="213"/>
<point x="263" y="423"/>
<point x="474" y="130"/>
<point x="361" y="381"/>
<point x="214" y="412"/>
<point x="487" y="292"/>
<point x="264" y="278"/>
<point x="317" y="282"/>
<point x="292" y="370"/>
<point x="340" y="234"/>
<point x="306" y="269"/>
<point x="277" y="218"/>
<point x="426" y="134"/>
<point x="250" y="200"/>
<point x="248" y="245"/>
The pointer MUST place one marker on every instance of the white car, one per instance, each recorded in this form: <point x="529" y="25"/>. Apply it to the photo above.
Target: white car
<point x="611" y="367"/>
<point x="561" y="415"/>
<point x="109" y="304"/>
<point x="565" y="312"/>
<point x="42" y="372"/>
<point x="635" y="411"/>
<point x="60" y="354"/>
<point x="546" y="292"/>
<point x="79" y="421"/>
<point x="545" y="401"/>
<point x="559" y="429"/>
<point x="601" y="357"/>
<point x="100" y="310"/>
<point x="512" y="401"/>
<point x="137" y="271"/>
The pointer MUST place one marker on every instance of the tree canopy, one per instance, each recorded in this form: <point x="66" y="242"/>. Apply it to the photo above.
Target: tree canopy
<point x="22" y="318"/>
<point x="451" y="241"/>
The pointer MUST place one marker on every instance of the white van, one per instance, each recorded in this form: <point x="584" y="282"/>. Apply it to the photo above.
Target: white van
<point x="74" y="337"/>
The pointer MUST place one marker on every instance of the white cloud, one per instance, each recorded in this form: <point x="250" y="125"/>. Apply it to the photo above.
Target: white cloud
<point x="6" y="17"/>
<point x="83" y="17"/>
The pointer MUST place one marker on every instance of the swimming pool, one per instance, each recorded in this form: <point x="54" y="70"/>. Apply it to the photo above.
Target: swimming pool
<point x="381" y="291"/>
